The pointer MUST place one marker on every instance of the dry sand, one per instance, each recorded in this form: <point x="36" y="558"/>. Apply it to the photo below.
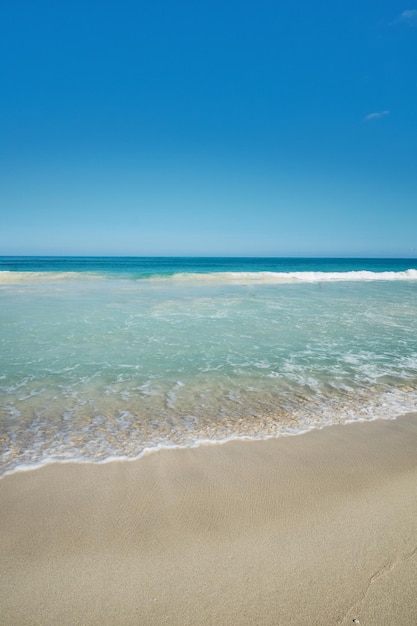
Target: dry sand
<point x="315" y="529"/>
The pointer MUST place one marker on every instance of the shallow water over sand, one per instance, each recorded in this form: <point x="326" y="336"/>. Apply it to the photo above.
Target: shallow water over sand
<point x="99" y="364"/>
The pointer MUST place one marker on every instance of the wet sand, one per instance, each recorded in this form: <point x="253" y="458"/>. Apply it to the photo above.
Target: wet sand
<point x="319" y="528"/>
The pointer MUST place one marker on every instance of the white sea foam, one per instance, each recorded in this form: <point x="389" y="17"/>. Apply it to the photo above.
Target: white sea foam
<point x="253" y="278"/>
<point x="385" y="411"/>
<point x="231" y="278"/>
<point x="25" y="278"/>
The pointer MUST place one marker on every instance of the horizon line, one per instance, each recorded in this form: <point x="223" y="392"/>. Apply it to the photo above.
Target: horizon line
<point x="201" y="256"/>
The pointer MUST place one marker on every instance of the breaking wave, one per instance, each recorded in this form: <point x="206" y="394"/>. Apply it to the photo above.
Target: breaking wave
<point x="227" y="278"/>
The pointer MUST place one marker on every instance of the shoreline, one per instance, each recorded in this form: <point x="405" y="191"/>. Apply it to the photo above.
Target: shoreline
<point x="290" y="432"/>
<point x="196" y="444"/>
<point x="318" y="529"/>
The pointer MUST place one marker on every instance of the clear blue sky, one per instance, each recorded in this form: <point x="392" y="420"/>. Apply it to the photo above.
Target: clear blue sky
<point x="215" y="128"/>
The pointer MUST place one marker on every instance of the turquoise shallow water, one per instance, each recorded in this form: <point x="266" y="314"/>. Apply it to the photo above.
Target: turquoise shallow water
<point x="108" y="357"/>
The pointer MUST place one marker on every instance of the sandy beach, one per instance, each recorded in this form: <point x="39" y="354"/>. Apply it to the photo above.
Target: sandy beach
<point x="319" y="528"/>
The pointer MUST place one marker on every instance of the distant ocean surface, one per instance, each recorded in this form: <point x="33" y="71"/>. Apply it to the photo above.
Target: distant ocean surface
<point x="108" y="357"/>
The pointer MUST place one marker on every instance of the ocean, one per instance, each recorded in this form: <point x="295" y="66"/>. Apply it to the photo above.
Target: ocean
<point x="106" y="358"/>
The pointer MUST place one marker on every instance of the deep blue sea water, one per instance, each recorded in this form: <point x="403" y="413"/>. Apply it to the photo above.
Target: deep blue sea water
<point x="106" y="357"/>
